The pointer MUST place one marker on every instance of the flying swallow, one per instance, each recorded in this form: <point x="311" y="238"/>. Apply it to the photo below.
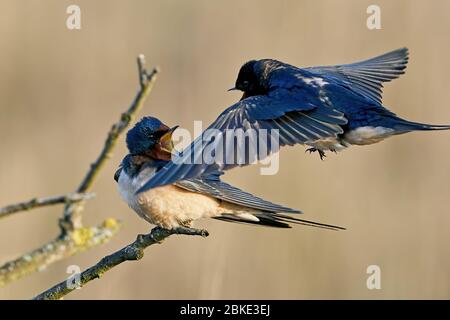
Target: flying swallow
<point x="150" y="148"/>
<point x="353" y="91"/>
<point x="327" y="108"/>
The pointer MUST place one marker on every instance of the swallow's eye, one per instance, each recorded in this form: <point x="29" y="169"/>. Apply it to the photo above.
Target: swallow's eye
<point x="151" y="136"/>
<point x="245" y="83"/>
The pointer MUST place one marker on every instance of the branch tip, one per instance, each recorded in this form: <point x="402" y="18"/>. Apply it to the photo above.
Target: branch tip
<point x="43" y="202"/>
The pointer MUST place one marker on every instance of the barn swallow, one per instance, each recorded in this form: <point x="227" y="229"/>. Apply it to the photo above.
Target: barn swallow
<point x="326" y="108"/>
<point x="150" y="147"/>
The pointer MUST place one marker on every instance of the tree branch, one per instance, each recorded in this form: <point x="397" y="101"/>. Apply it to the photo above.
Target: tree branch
<point x="72" y="217"/>
<point x="42" y="202"/>
<point x="132" y="252"/>
<point x="74" y="237"/>
<point x="60" y="248"/>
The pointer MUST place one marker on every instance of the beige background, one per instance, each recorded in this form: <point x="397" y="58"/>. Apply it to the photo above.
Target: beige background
<point x="61" y="90"/>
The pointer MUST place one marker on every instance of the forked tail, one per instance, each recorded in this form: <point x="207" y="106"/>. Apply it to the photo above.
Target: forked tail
<point x="402" y="125"/>
<point x="272" y="219"/>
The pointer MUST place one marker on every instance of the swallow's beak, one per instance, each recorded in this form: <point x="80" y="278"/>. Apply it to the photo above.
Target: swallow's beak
<point x="165" y="141"/>
<point x="233" y="89"/>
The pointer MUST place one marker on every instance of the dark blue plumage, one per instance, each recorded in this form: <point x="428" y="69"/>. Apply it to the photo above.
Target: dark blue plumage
<point x="143" y="136"/>
<point x="202" y="196"/>
<point x="326" y="108"/>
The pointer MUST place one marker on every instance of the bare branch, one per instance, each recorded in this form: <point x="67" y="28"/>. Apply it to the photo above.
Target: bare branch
<point x="60" y="248"/>
<point x="43" y="202"/>
<point x="142" y="72"/>
<point x="72" y="218"/>
<point x="74" y="237"/>
<point x="132" y="252"/>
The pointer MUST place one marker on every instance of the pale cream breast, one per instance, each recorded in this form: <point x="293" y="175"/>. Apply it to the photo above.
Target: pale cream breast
<point x="171" y="206"/>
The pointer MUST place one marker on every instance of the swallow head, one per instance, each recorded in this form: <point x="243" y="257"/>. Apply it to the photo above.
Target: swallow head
<point x="250" y="80"/>
<point x="151" y="138"/>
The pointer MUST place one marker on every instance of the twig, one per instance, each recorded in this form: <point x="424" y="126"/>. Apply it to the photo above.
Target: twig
<point x="60" y="248"/>
<point x="74" y="237"/>
<point x="42" y="202"/>
<point x="131" y="252"/>
<point x="72" y="217"/>
<point x="143" y="76"/>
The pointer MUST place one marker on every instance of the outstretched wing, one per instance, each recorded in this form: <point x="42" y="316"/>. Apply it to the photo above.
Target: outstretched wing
<point x="267" y="213"/>
<point x="367" y="77"/>
<point x="296" y="115"/>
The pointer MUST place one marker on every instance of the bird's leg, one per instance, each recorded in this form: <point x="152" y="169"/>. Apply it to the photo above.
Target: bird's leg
<point x="321" y="152"/>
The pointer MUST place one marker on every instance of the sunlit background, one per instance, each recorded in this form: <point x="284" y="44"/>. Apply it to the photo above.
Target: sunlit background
<point x="61" y="90"/>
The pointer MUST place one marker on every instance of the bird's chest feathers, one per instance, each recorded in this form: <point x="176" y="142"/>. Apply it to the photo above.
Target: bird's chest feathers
<point x="332" y="143"/>
<point x="169" y="205"/>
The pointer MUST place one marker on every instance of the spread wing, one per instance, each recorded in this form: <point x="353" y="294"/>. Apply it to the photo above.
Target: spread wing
<point x="295" y="115"/>
<point x="268" y="213"/>
<point x="367" y="77"/>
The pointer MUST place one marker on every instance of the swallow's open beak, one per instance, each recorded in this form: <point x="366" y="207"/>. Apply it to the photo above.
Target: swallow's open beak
<point x="232" y="89"/>
<point x="165" y="141"/>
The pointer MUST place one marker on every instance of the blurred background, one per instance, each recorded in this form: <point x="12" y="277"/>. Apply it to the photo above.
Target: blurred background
<point x="61" y="90"/>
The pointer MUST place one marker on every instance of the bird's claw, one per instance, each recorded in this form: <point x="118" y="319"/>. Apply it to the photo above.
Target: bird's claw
<point x="187" y="223"/>
<point x="321" y="153"/>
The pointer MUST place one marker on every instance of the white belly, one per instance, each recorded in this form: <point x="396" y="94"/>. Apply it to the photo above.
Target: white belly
<point x="167" y="206"/>
<point x="359" y="136"/>
<point x="367" y="135"/>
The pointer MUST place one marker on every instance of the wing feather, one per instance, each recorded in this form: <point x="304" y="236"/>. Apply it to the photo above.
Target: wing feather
<point x="266" y="214"/>
<point x="297" y="116"/>
<point x="223" y="191"/>
<point x="367" y="77"/>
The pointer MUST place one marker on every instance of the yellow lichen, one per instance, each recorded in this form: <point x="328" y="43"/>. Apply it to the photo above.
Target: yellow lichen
<point x="81" y="236"/>
<point x="111" y="223"/>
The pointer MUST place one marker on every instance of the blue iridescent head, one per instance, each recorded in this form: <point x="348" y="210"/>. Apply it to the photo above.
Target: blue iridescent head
<point x="150" y="137"/>
<point x="253" y="77"/>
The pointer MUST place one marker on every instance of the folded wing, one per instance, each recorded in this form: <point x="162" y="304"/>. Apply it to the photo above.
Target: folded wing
<point x="266" y="213"/>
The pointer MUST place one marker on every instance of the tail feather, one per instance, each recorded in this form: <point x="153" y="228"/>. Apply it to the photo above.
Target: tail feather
<point x="405" y="126"/>
<point x="276" y="220"/>
<point x="267" y="222"/>
<point x="286" y="218"/>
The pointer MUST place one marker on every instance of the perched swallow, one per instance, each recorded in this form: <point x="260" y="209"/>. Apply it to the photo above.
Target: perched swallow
<point x="327" y="108"/>
<point x="204" y="196"/>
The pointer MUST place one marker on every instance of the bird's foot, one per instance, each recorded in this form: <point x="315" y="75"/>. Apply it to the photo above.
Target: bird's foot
<point x="153" y="232"/>
<point x="321" y="152"/>
<point x="186" y="223"/>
